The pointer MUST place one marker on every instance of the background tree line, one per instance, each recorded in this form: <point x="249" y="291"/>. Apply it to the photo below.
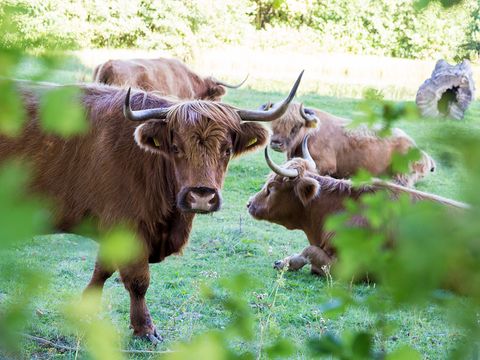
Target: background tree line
<point x="398" y="28"/>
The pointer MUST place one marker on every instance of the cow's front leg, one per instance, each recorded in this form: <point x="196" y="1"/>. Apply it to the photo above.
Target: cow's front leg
<point x="293" y="262"/>
<point x="310" y="255"/>
<point x="101" y="273"/>
<point x="136" y="278"/>
<point x="319" y="259"/>
<point x="407" y="180"/>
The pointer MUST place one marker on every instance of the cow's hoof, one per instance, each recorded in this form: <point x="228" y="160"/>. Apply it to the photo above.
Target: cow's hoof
<point x="154" y="338"/>
<point x="279" y="264"/>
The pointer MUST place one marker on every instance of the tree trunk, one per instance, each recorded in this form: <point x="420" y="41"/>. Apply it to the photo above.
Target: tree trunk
<point x="448" y="92"/>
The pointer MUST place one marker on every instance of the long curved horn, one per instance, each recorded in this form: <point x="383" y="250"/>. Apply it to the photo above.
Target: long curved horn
<point x="290" y="173"/>
<point x="142" y="115"/>
<point x="309" y="119"/>
<point x="306" y="153"/>
<point x="218" y="82"/>
<point x="276" y="111"/>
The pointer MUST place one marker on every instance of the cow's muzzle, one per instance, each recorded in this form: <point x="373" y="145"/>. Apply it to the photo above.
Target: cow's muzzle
<point x="252" y="209"/>
<point x="199" y="200"/>
<point x="277" y="145"/>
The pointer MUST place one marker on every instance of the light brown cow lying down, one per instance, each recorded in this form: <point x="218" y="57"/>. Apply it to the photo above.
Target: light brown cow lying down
<point x="340" y="152"/>
<point x="296" y="197"/>
<point x="167" y="76"/>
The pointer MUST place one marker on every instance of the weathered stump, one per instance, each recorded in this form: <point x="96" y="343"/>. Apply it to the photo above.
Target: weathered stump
<point x="448" y="92"/>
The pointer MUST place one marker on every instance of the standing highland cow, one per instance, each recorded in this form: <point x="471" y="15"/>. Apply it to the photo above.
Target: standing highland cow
<point x="151" y="167"/>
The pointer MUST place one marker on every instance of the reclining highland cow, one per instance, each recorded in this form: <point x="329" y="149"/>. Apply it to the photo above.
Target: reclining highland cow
<point x="166" y="76"/>
<point x="340" y="152"/>
<point x="296" y="197"/>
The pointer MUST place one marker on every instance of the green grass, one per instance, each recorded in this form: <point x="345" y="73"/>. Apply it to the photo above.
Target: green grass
<point x="226" y="243"/>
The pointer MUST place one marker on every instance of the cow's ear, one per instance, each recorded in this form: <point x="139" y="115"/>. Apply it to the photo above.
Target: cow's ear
<point x="313" y="119"/>
<point x="152" y="136"/>
<point x="307" y="189"/>
<point x="215" y="91"/>
<point x="312" y="124"/>
<point x="250" y="137"/>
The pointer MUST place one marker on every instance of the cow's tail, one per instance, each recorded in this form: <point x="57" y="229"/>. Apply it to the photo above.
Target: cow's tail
<point x="420" y="195"/>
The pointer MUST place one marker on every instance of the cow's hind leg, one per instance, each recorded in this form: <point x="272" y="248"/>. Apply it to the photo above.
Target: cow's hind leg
<point x="136" y="278"/>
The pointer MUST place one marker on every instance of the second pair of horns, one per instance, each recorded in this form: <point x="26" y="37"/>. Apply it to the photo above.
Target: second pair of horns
<point x="291" y="173"/>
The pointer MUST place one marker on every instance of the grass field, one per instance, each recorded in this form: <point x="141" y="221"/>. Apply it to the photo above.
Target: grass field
<point x="227" y="243"/>
<point x="329" y="74"/>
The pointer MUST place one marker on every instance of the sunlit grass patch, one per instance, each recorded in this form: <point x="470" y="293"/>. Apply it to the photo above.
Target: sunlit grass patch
<point x="231" y="242"/>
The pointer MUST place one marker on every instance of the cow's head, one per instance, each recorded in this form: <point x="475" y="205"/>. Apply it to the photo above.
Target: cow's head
<point x="422" y="167"/>
<point x="291" y="126"/>
<point x="425" y="165"/>
<point x="215" y="89"/>
<point x="200" y="137"/>
<point x="287" y="191"/>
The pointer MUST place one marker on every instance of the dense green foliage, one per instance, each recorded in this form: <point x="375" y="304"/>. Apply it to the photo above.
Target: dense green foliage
<point x="471" y="48"/>
<point x="263" y="314"/>
<point x="393" y="28"/>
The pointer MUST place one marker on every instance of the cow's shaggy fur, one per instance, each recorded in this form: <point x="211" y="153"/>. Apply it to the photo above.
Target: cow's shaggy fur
<point x="340" y="151"/>
<point x="306" y="201"/>
<point x="107" y="174"/>
<point x="167" y="76"/>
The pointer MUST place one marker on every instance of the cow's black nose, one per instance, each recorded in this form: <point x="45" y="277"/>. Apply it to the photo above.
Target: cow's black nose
<point x="277" y="145"/>
<point x="200" y="199"/>
<point x="277" y="265"/>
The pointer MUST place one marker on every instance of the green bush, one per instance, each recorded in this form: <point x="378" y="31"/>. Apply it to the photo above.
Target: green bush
<point x="471" y="48"/>
<point x="382" y="27"/>
<point x="178" y="27"/>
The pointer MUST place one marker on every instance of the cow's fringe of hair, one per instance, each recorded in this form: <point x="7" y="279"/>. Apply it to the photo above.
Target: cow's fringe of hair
<point x="222" y="114"/>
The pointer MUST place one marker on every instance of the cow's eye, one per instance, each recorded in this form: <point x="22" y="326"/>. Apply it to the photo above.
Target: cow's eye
<point x="175" y="149"/>
<point x="228" y="152"/>
<point x="295" y="130"/>
<point x="268" y="190"/>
